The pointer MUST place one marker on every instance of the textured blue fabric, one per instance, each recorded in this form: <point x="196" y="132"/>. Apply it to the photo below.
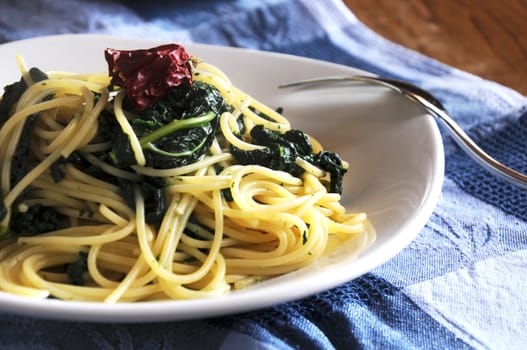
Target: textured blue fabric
<point x="348" y="317"/>
<point x="504" y="140"/>
<point x="460" y="284"/>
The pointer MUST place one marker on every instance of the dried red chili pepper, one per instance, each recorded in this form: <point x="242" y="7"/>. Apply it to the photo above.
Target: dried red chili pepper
<point x="147" y="74"/>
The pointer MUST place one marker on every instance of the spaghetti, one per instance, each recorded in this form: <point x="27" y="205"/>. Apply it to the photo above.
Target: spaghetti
<point x="226" y="223"/>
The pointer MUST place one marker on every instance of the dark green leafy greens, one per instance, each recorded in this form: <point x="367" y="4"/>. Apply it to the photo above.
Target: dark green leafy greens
<point x="152" y="191"/>
<point x="57" y="168"/>
<point x="13" y="92"/>
<point x="281" y="151"/>
<point x="20" y="165"/>
<point x="77" y="269"/>
<point x="332" y="163"/>
<point x="175" y="131"/>
<point x="36" y="219"/>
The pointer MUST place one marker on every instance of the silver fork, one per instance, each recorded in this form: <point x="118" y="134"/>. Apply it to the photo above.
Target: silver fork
<point x="433" y="106"/>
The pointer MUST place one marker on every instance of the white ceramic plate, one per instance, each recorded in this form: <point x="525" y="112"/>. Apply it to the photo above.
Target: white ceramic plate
<point x="394" y="149"/>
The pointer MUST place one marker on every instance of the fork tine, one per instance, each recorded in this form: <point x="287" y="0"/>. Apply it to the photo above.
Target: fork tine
<point x="394" y="84"/>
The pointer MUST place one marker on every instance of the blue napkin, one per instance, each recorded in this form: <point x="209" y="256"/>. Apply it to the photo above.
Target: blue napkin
<point x="460" y="284"/>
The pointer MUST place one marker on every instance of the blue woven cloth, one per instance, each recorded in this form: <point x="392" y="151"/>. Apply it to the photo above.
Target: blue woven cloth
<point x="460" y="284"/>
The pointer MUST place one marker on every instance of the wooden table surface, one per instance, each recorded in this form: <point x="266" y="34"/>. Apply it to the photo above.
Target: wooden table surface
<point x="484" y="37"/>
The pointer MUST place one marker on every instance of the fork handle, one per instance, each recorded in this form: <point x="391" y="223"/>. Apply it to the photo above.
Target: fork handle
<point x="471" y="148"/>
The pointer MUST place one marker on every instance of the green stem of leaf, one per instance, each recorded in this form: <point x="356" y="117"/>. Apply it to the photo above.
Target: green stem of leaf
<point x="174" y="126"/>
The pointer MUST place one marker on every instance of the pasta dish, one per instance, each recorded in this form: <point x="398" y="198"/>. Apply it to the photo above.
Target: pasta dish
<point x="159" y="180"/>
